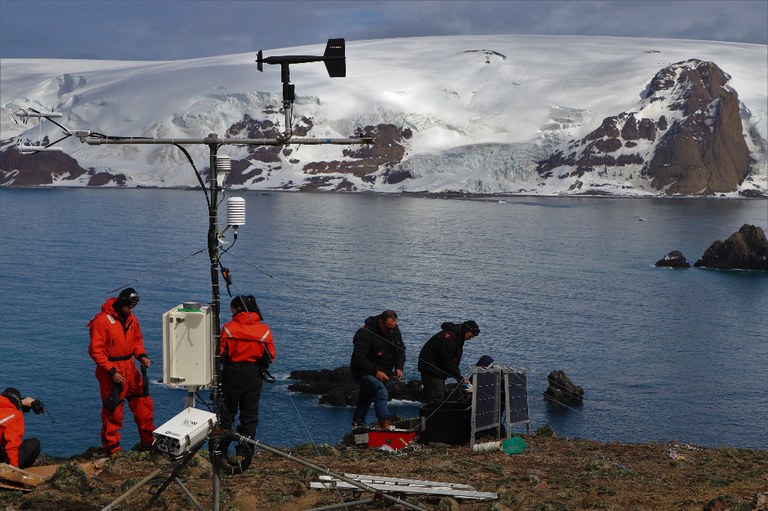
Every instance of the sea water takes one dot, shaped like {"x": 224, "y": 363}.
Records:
{"x": 554, "y": 283}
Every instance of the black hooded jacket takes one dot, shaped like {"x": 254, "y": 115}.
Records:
{"x": 376, "y": 350}
{"x": 441, "y": 355}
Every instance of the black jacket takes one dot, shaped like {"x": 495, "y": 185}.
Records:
{"x": 441, "y": 355}
{"x": 376, "y": 350}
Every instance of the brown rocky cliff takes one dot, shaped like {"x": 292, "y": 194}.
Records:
{"x": 705, "y": 152}
{"x": 693, "y": 145}
{"x": 37, "y": 169}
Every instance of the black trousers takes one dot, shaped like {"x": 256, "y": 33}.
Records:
{"x": 241, "y": 386}
{"x": 434, "y": 389}
{"x": 29, "y": 450}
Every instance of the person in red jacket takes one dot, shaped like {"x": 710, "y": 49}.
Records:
{"x": 19, "y": 453}
{"x": 246, "y": 351}
{"x": 115, "y": 340}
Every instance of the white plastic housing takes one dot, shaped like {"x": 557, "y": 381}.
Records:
{"x": 184, "y": 431}
{"x": 188, "y": 346}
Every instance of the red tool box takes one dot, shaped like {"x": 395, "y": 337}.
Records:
{"x": 396, "y": 439}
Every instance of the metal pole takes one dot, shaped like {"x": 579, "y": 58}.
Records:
{"x": 326, "y": 471}
{"x": 131, "y": 490}
{"x": 213, "y": 253}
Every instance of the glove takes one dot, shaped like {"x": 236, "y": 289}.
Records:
{"x": 113, "y": 401}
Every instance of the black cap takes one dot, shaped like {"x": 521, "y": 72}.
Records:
{"x": 14, "y": 396}
{"x": 127, "y": 296}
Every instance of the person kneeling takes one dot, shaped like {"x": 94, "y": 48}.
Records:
{"x": 13, "y": 450}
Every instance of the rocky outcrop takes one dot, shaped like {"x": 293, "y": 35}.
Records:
{"x": 336, "y": 387}
{"x": 562, "y": 390}
{"x": 38, "y": 169}
{"x": 674, "y": 259}
{"x": 746, "y": 249}
{"x": 705, "y": 151}
{"x": 368, "y": 163}
{"x": 686, "y": 137}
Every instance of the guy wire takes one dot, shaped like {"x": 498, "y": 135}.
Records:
{"x": 156, "y": 270}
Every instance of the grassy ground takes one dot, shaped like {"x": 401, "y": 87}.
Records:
{"x": 552, "y": 474}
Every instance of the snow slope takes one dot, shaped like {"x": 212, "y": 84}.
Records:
{"x": 482, "y": 109}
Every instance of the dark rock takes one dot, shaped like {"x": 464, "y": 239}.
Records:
{"x": 336, "y": 387}
{"x": 37, "y": 169}
{"x": 746, "y": 249}
{"x": 674, "y": 259}
{"x": 561, "y": 389}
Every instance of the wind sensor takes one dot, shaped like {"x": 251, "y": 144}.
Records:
{"x": 30, "y": 147}
{"x": 333, "y": 58}
{"x": 335, "y": 63}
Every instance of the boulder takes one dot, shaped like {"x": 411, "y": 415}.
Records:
{"x": 746, "y": 249}
{"x": 562, "y": 390}
{"x": 674, "y": 259}
{"x": 337, "y": 387}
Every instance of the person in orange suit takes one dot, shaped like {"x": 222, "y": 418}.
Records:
{"x": 116, "y": 340}
{"x": 246, "y": 351}
{"x": 13, "y": 450}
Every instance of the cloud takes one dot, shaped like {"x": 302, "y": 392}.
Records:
{"x": 170, "y": 29}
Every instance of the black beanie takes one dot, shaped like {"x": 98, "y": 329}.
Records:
{"x": 14, "y": 396}
{"x": 245, "y": 303}
{"x": 127, "y": 296}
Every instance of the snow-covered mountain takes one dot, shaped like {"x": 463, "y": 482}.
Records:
{"x": 473, "y": 114}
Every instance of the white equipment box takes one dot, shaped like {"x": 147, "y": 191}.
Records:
{"x": 184, "y": 431}
{"x": 187, "y": 346}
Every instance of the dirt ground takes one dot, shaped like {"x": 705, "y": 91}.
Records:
{"x": 552, "y": 474}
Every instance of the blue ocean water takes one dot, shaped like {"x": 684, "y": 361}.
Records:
{"x": 554, "y": 283}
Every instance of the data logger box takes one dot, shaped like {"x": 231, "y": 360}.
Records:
{"x": 188, "y": 346}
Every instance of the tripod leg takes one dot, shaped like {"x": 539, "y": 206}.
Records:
{"x": 189, "y": 495}
{"x": 131, "y": 490}
{"x": 174, "y": 475}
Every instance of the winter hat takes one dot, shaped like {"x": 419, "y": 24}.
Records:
{"x": 485, "y": 362}
{"x": 127, "y": 296}
{"x": 471, "y": 326}
{"x": 245, "y": 303}
{"x": 14, "y": 396}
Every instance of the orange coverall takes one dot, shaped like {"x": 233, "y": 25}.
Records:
{"x": 114, "y": 342}
{"x": 11, "y": 429}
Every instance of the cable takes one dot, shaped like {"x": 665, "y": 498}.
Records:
{"x": 157, "y": 270}
{"x": 197, "y": 174}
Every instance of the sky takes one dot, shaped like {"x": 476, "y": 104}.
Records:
{"x": 184, "y": 29}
